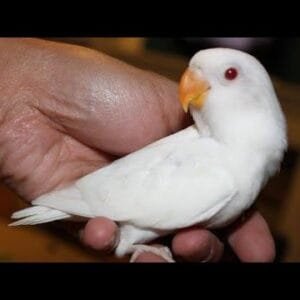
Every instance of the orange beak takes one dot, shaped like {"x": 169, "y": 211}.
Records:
{"x": 193, "y": 89}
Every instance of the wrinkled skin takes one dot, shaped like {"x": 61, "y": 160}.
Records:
{"x": 66, "y": 111}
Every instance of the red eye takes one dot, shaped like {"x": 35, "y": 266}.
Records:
{"x": 231, "y": 73}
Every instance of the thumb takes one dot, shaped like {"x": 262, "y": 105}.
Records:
{"x": 108, "y": 104}
{"x": 64, "y": 108}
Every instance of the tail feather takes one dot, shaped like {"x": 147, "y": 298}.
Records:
{"x": 56, "y": 205}
{"x": 30, "y": 211}
{"x": 37, "y": 215}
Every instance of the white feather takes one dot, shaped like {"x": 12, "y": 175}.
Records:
{"x": 37, "y": 215}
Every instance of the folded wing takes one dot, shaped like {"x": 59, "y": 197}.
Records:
{"x": 173, "y": 183}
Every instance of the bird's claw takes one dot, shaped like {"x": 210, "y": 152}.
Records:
{"x": 163, "y": 252}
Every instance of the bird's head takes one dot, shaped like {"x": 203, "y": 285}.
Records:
{"x": 227, "y": 74}
{"x": 232, "y": 94}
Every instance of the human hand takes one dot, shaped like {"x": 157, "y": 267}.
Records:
{"x": 66, "y": 111}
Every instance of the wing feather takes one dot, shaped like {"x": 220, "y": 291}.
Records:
{"x": 176, "y": 182}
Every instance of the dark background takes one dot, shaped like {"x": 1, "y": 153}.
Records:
{"x": 281, "y": 56}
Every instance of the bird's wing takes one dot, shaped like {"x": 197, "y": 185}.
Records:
{"x": 175, "y": 182}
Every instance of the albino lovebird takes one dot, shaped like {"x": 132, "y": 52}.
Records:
{"x": 207, "y": 174}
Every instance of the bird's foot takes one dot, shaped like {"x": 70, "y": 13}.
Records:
{"x": 163, "y": 252}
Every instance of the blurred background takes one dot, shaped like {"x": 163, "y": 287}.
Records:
{"x": 278, "y": 202}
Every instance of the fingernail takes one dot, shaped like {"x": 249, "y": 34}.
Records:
{"x": 115, "y": 239}
{"x": 111, "y": 244}
{"x": 209, "y": 256}
{"x": 215, "y": 252}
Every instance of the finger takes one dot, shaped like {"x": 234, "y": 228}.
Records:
{"x": 103, "y": 102}
{"x": 197, "y": 245}
{"x": 252, "y": 240}
{"x": 100, "y": 234}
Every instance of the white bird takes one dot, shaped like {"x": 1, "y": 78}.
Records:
{"x": 206, "y": 174}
